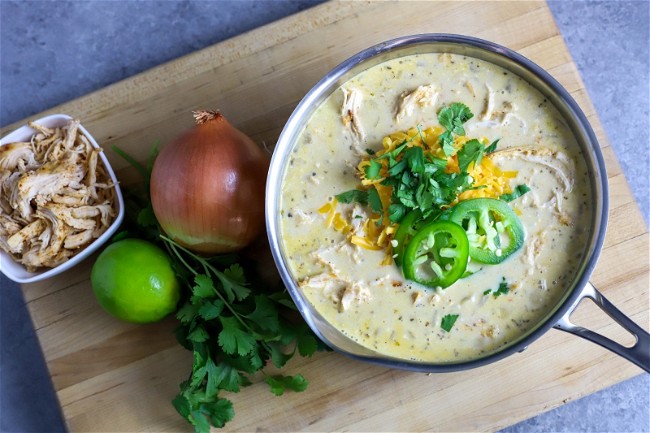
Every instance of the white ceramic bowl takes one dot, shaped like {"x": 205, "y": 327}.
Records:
{"x": 17, "y": 272}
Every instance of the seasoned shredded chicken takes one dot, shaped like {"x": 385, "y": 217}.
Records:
{"x": 352, "y": 99}
{"x": 340, "y": 291}
{"x": 56, "y": 197}
{"x": 423, "y": 96}
{"x": 355, "y": 293}
{"x": 533, "y": 248}
{"x": 489, "y": 104}
{"x": 301, "y": 216}
{"x": 559, "y": 164}
{"x": 492, "y": 117}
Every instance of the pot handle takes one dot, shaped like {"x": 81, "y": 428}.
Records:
{"x": 639, "y": 353}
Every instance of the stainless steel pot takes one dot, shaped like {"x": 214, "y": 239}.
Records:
{"x": 579, "y": 288}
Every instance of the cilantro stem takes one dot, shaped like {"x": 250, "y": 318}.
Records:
{"x": 146, "y": 174}
{"x": 180, "y": 257}
{"x": 421, "y": 135}
{"x": 208, "y": 268}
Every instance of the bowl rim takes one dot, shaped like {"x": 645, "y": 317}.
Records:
{"x": 594, "y": 161}
{"x": 16, "y": 271}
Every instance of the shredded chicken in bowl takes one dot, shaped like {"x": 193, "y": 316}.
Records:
{"x": 56, "y": 196}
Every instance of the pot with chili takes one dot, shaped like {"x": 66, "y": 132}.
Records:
{"x": 438, "y": 202}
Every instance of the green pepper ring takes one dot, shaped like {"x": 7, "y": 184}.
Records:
{"x": 504, "y": 212}
{"x": 408, "y": 227}
{"x": 458, "y": 264}
{"x": 404, "y": 234}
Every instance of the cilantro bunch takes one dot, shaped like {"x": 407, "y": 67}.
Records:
{"x": 232, "y": 333}
{"x": 234, "y": 325}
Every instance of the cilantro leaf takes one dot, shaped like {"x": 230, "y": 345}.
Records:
{"x": 187, "y": 313}
{"x": 279, "y": 383}
{"x": 200, "y": 419}
{"x": 203, "y": 288}
{"x": 399, "y": 149}
{"x": 220, "y": 411}
{"x": 518, "y": 192}
{"x": 472, "y": 151}
{"x": 213, "y": 376}
{"x": 278, "y": 356}
{"x": 396, "y": 212}
{"x": 211, "y": 310}
{"x": 454, "y": 116}
{"x": 198, "y": 335}
{"x": 182, "y": 405}
{"x": 397, "y": 168}
{"x": 265, "y": 314}
{"x": 307, "y": 345}
{"x": 447, "y": 143}
{"x": 146, "y": 217}
{"x": 353, "y": 196}
{"x": 503, "y": 289}
{"x": 374, "y": 201}
{"x": 198, "y": 370}
{"x": 255, "y": 361}
{"x": 364, "y": 198}
{"x": 448, "y": 322}
{"x": 233, "y": 339}
{"x": 492, "y": 147}
{"x": 414, "y": 157}
{"x": 222, "y": 376}
{"x": 232, "y": 281}
{"x": 235, "y": 273}
{"x": 372, "y": 171}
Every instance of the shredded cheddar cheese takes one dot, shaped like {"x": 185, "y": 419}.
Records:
{"x": 493, "y": 181}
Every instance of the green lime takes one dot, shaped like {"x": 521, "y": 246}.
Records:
{"x": 134, "y": 281}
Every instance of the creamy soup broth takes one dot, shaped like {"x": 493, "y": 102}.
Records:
{"x": 372, "y": 303}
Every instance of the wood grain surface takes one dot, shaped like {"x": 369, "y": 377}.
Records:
{"x": 113, "y": 376}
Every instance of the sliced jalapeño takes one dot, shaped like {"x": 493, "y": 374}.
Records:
{"x": 437, "y": 254}
{"x": 493, "y": 229}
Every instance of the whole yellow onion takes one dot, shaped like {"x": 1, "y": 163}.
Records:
{"x": 207, "y": 186}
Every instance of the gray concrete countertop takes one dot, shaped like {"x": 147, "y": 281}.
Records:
{"x": 54, "y": 54}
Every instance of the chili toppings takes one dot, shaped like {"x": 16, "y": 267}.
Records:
{"x": 436, "y": 201}
{"x": 493, "y": 229}
{"x": 437, "y": 255}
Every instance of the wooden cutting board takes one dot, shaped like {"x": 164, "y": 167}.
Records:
{"x": 112, "y": 376}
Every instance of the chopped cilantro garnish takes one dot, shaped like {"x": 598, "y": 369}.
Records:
{"x": 417, "y": 177}
{"x": 364, "y": 198}
{"x": 454, "y": 116}
{"x": 492, "y": 147}
{"x": 503, "y": 289}
{"x": 396, "y": 212}
{"x": 372, "y": 171}
{"x": 448, "y": 322}
{"x": 353, "y": 196}
{"x": 516, "y": 193}
{"x": 374, "y": 201}
{"x": 472, "y": 151}
{"x": 447, "y": 143}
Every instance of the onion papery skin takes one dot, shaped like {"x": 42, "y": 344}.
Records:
{"x": 207, "y": 188}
